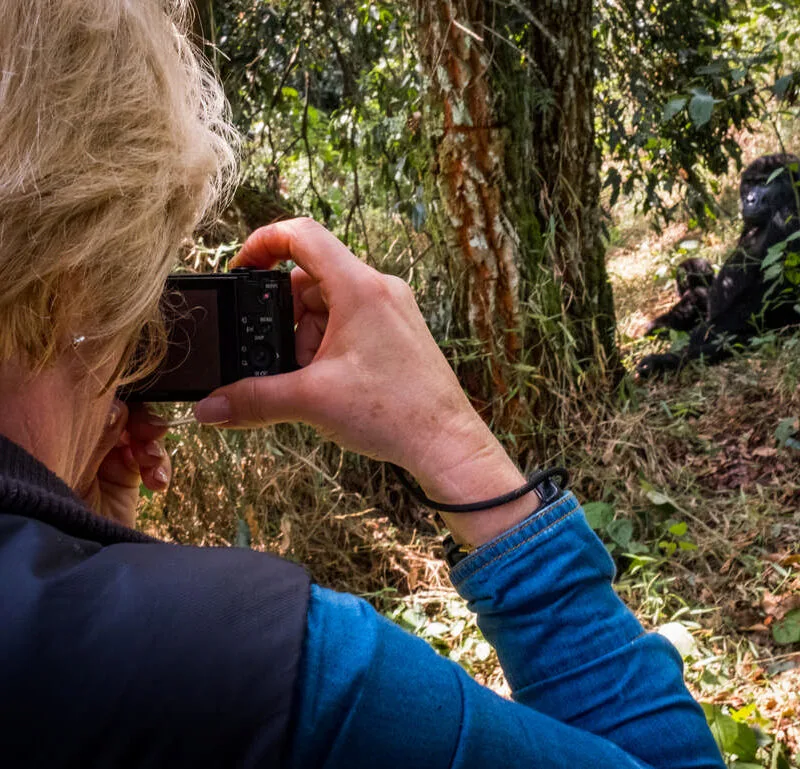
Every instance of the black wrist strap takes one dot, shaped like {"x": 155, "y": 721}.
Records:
{"x": 541, "y": 482}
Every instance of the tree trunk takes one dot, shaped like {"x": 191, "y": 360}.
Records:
{"x": 518, "y": 179}
{"x": 205, "y": 29}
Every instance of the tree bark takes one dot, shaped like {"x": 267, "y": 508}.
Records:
{"x": 205, "y": 29}
{"x": 518, "y": 179}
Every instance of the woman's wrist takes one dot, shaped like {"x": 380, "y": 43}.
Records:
{"x": 472, "y": 471}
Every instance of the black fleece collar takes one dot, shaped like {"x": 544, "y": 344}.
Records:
{"x": 29, "y": 489}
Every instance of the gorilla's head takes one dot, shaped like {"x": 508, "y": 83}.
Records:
{"x": 769, "y": 187}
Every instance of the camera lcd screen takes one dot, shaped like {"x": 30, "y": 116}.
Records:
{"x": 193, "y": 360}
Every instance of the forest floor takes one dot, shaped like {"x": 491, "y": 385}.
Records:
{"x": 695, "y": 485}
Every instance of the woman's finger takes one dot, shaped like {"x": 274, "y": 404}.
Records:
{"x": 143, "y": 426}
{"x": 116, "y": 468}
{"x": 149, "y": 455}
{"x": 157, "y": 478}
{"x": 259, "y": 401}
{"x": 152, "y": 462}
{"x": 307, "y": 294}
{"x": 306, "y": 243}
{"x": 308, "y": 336}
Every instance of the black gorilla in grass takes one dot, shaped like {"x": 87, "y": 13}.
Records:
{"x": 693, "y": 278}
{"x": 743, "y": 297}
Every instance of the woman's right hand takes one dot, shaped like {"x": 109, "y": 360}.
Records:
{"x": 372, "y": 379}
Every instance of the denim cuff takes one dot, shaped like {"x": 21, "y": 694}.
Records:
{"x": 543, "y": 522}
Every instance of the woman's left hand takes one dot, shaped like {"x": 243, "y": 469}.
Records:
{"x": 130, "y": 452}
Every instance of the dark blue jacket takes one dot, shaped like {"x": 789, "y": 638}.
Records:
{"x": 121, "y": 651}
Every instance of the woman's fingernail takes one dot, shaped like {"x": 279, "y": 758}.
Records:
{"x": 213, "y": 411}
{"x": 114, "y": 414}
{"x": 154, "y": 449}
{"x": 161, "y": 475}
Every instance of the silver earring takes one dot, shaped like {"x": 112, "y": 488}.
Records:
{"x": 77, "y": 341}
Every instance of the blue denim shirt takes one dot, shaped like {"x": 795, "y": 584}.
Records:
{"x": 590, "y": 687}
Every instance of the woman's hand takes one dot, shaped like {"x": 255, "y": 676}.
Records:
{"x": 373, "y": 378}
{"x": 130, "y": 452}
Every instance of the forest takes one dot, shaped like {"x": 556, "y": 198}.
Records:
{"x": 540, "y": 174}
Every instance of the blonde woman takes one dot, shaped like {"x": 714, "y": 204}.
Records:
{"x": 121, "y": 651}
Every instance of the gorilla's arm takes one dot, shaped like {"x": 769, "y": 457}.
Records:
{"x": 734, "y": 299}
{"x": 686, "y": 314}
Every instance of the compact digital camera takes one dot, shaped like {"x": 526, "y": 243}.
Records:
{"x": 222, "y": 328}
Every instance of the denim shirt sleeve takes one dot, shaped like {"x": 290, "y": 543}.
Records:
{"x": 591, "y": 688}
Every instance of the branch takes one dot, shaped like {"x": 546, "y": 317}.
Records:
{"x": 326, "y": 207}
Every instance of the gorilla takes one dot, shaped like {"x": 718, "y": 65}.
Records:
{"x": 740, "y": 300}
{"x": 693, "y": 278}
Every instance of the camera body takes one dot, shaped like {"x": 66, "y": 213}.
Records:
{"x": 222, "y": 327}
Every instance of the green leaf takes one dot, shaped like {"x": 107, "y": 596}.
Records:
{"x": 700, "y": 107}
{"x": 774, "y": 272}
{"x": 787, "y": 631}
{"x": 668, "y": 547}
{"x": 773, "y": 256}
{"x": 659, "y": 499}
{"x": 621, "y": 532}
{"x": 786, "y": 429}
{"x": 742, "y": 715}
{"x": 782, "y": 85}
{"x": 775, "y": 174}
{"x": 672, "y": 108}
{"x": 679, "y": 529}
{"x": 738, "y": 739}
{"x": 598, "y": 514}
{"x": 145, "y": 492}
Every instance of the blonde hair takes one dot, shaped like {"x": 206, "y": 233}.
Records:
{"x": 114, "y": 143}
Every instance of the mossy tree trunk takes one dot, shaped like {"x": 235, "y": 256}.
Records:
{"x": 518, "y": 182}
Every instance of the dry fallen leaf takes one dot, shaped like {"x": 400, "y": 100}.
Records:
{"x": 776, "y": 607}
{"x": 765, "y": 451}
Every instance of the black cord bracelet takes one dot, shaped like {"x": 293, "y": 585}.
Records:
{"x": 535, "y": 480}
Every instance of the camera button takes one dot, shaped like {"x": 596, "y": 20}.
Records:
{"x": 264, "y": 324}
{"x": 262, "y": 357}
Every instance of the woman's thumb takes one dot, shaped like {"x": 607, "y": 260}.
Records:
{"x": 255, "y": 402}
